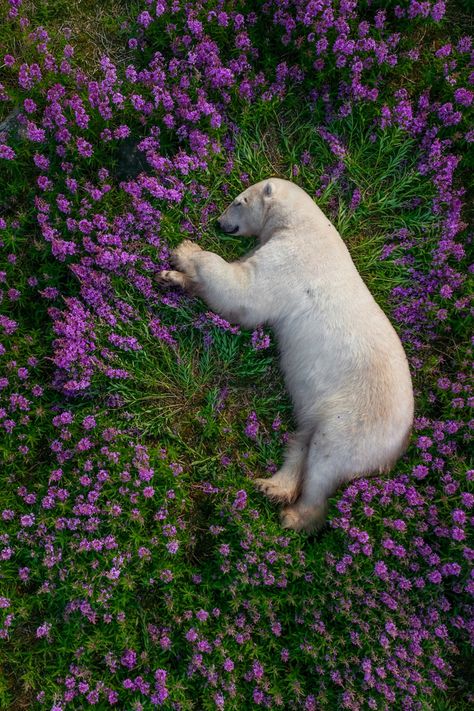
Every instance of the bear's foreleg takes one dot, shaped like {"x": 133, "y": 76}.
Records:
{"x": 229, "y": 288}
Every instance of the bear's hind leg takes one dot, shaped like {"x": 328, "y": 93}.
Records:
{"x": 322, "y": 475}
{"x": 284, "y": 485}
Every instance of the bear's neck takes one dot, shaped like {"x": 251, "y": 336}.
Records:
{"x": 274, "y": 223}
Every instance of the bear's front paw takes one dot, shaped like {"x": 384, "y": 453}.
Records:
{"x": 181, "y": 257}
{"x": 174, "y": 278}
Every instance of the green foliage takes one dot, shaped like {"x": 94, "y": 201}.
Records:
{"x": 189, "y": 401}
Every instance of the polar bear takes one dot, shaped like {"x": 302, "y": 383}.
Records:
{"x": 343, "y": 363}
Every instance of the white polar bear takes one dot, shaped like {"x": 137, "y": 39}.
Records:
{"x": 343, "y": 363}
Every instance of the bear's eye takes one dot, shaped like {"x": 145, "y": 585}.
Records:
{"x": 245, "y": 199}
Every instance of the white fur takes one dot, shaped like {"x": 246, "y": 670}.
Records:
{"x": 343, "y": 362}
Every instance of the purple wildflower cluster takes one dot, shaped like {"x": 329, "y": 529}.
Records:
{"x": 214, "y": 599}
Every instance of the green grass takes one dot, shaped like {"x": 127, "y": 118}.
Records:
{"x": 171, "y": 395}
{"x": 170, "y": 401}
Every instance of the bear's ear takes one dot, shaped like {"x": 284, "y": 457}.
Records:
{"x": 269, "y": 189}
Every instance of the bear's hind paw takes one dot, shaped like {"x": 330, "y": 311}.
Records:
{"x": 279, "y": 491}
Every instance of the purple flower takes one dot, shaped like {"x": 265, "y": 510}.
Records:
{"x": 458, "y": 534}
{"x": 464, "y": 96}
{"x": 420, "y": 471}
{"x": 435, "y": 577}
{"x": 467, "y": 499}
{"x": 6, "y": 152}
{"x": 35, "y": 134}
{"x": 356, "y": 199}
{"x": 27, "y": 520}
{"x": 381, "y": 570}
{"x": 260, "y": 340}
{"x": 29, "y": 106}
{"x": 145, "y": 19}
{"x": 252, "y": 426}
{"x": 84, "y": 148}
{"x": 240, "y": 501}
{"x": 129, "y": 658}
{"x": 43, "y": 630}
{"x": 257, "y": 670}
{"x": 126, "y": 343}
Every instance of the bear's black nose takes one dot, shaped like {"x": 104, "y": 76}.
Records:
{"x": 219, "y": 226}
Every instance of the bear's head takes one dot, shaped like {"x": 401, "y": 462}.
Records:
{"x": 247, "y": 214}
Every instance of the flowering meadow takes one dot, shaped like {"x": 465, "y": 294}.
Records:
{"x": 139, "y": 567}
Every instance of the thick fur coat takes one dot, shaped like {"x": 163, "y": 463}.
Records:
{"x": 344, "y": 365}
